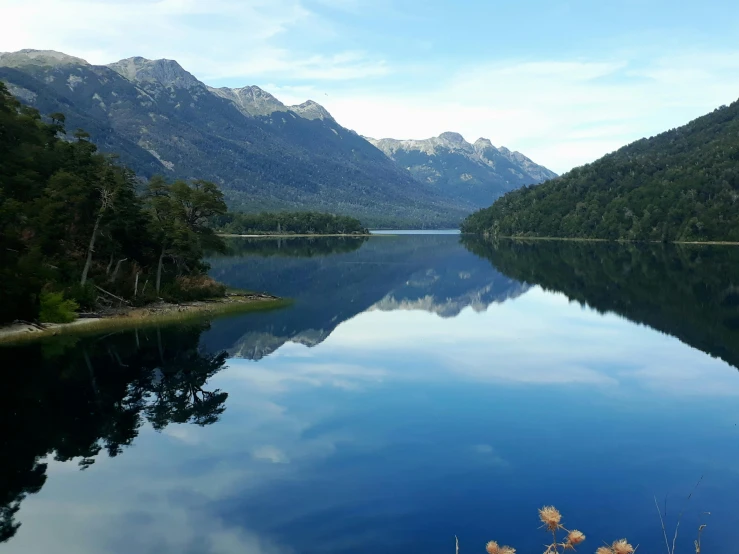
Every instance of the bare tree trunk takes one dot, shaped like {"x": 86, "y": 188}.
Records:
{"x": 136, "y": 285}
{"x": 110, "y": 264}
{"x": 106, "y": 197}
{"x": 159, "y": 271}
{"x": 91, "y": 249}
{"x": 115, "y": 271}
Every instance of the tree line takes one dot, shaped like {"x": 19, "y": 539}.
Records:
{"x": 288, "y": 223}
{"x": 77, "y": 229}
{"x": 682, "y": 185}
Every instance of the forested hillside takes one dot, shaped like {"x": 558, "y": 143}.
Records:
{"x": 682, "y": 185}
{"x": 72, "y": 223}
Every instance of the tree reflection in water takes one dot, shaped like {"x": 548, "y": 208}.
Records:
{"x": 72, "y": 398}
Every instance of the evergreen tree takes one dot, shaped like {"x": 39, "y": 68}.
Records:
{"x": 71, "y": 219}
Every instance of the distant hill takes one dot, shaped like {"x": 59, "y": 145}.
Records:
{"x": 264, "y": 155}
{"x": 681, "y": 185}
{"x": 472, "y": 173}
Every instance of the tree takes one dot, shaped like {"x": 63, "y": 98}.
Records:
{"x": 180, "y": 214}
{"x": 70, "y": 215}
{"x": 107, "y": 193}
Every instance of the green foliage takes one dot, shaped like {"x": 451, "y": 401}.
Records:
{"x": 84, "y": 295}
{"x": 71, "y": 219}
{"x": 55, "y": 309}
{"x": 682, "y": 185}
{"x": 288, "y": 223}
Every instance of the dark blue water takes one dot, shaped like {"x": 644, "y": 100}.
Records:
{"x": 417, "y": 389}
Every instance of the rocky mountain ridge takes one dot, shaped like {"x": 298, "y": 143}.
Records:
{"x": 159, "y": 118}
{"x": 480, "y": 171}
{"x": 265, "y": 155}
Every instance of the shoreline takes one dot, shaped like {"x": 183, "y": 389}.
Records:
{"x": 620, "y": 241}
{"x": 120, "y": 319}
{"x": 275, "y": 236}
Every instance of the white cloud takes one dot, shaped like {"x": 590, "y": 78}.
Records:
{"x": 560, "y": 111}
{"x": 270, "y": 453}
{"x": 214, "y": 40}
{"x": 573, "y": 346}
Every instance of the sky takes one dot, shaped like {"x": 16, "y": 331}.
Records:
{"x": 563, "y": 82}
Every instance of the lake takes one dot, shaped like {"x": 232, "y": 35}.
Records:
{"x": 419, "y": 387}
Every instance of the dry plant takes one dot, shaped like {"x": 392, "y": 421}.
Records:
{"x": 662, "y": 518}
{"x": 551, "y": 519}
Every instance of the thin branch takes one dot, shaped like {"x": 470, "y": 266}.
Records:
{"x": 662, "y": 521}
{"x": 680, "y": 517}
{"x": 111, "y": 294}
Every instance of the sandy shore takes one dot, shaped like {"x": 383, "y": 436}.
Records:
{"x": 159, "y": 313}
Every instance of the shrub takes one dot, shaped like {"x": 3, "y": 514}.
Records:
{"x": 55, "y": 309}
{"x": 193, "y": 287}
{"x": 84, "y": 295}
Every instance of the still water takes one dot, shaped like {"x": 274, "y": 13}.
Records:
{"x": 418, "y": 388}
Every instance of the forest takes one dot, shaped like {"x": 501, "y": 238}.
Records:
{"x": 288, "y": 223}
{"x": 679, "y": 186}
{"x": 77, "y": 229}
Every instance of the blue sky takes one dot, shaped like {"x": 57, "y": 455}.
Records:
{"x": 562, "y": 82}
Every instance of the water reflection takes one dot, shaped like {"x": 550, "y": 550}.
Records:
{"x": 71, "y": 399}
{"x": 430, "y": 273}
{"x": 690, "y": 291}
{"x": 412, "y": 392}
{"x": 298, "y": 247}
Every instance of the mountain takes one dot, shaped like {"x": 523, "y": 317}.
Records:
{"x": 681, "y": 185}
{"x": 476, "y": 174}
{"x": 264, "y": 155}
{"x": 253, "y": 101}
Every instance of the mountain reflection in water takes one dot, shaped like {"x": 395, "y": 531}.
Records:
{"x": 350, "y": 276}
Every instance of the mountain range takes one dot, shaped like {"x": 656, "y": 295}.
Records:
{"x": 160, "y": 119}
{"x": 454, "y": 168}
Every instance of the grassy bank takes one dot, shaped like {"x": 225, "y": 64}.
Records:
{"x": 152, "y": 315}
